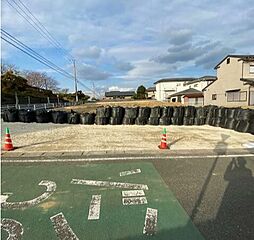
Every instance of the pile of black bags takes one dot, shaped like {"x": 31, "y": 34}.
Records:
{"x": 238, "y": 119}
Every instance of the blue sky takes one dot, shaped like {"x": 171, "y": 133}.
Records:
{"x": 121, "y": 44}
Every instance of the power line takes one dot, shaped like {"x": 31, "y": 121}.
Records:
{"x": 12, "y": 38}
{"x": 36, "y": 24}
{"x": 34, "y": 57}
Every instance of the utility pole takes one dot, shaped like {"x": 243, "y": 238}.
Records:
{"x": 75, "y": 79}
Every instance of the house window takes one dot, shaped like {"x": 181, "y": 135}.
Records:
{"x": 178, "y": 84}
{"x": 237, "y": 96}
{"x": 214, "y": 96}
{"x": 251, "y": 68}
{"x": 195, "y": 85}
{"x": 228, "y": 60}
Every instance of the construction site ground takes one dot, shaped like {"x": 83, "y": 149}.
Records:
{"x": 37, "y": 139}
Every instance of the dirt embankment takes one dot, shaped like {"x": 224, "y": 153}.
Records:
{"x": 91, "y": 107}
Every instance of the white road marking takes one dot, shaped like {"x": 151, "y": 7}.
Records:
{"x": 50, "y": 189}
{"x": 109, "y": 184}
{"x": 122, "y": 158}
{"x": 133, "y": 193}
{"x": 150, "y": 221}
{"x": 134, "y": 201}
{"x": 131, "y": 172}
{"x": 94, "y": 209}
{"x": 13, "y": 227}
{"x": 62, "y": 228}
{"x": 3, "y": 198}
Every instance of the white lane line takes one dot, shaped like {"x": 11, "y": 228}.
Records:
{"x": 121, "y": 158}
{"x": 94, "y": 209}
{"x": 3, "y": 198}
{"x": 13, "y": 228}
{"x": 131, "y": 172}
{"x": 150, "y": 221}
{"x": 50, "y": 189}
{"x": 62, "y": 228}
{"x": 109, "y": 184}
{"x": 134, "y": 201}
{"x": 133, "y": 193}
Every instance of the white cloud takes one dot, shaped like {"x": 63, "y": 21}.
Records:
{"x": 117, "y": 88}
{"x": 88, "y": 72}
{"x": 87, "y": 52}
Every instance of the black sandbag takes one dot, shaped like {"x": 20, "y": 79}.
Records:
{"x": 42, "y": 116}
{"x": 188, "y": 121}
{"x": 221, "y": 112}
{"x": 245, "y": 114}
{"x": 230, "y": 123}
{"x": 217, "y": 121}
{"x": 199, "y": 121}
{"x": 230, "y": 113}
{"x": 223, "y": 122}
{"x": 177, "y": 121}
{"x": 141, "y": 121}
{"x": 153, "y": 121}
{"x": 128, "y": 121}
{"x": 117, "y": 112}
{"x": 167, "y": 112}
{"x": 144, "y": 112}
{"x": 73, "y": 117}
{"x": 87, "y": 118}
{"x": 10, "y": 115}
{"x": 200, "y": 112}
{"x": 251, "y": 127}
{"x": 115, "y": 121}
{"x": 242, "y": 126}
{"x": 59, "y": 117}
{"x": 178, "y": 112}
{"x": 131, "y": 113}
{"x": 155, "y": 112}
{"x": 189, "y": 111}
{"x": 26, "y": 116}
{"x": 101, "y": 120}
{"x": 103, "y": 112}
{"x": 165, "y": 121}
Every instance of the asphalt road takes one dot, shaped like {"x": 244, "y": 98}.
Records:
{"x": 217, "y": 193}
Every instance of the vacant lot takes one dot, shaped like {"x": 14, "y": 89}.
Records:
{"x": 36, "y": 137}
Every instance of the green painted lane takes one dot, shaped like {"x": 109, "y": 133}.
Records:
{"x": 116, "y": 220}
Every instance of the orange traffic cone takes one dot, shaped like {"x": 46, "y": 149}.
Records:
{"x": 163, "y": 144}
{"x": 8, "y": 143}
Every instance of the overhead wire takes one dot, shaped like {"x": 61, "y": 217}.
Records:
{"x": 39, "y": 27}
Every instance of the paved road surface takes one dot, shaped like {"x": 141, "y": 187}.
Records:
{"x": 217, "y": 193}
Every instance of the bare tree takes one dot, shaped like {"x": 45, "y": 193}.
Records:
{"x": 41, "y": 80}
{"x": 5, "y": 67}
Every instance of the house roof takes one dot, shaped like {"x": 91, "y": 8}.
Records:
{"x": 241, "y": 57}
{"x": 151, "y": 89}
{"x": 180, "y": 79}
{"x": 204, "y": 78}
{"x": 119, "y": 93}
{"x": 189, "y": 91}
{"x": 248, "y": 80}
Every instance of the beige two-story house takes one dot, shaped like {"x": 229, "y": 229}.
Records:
{"x": 235, "y": 82}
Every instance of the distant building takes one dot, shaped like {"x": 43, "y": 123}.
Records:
{"x": 235, "y": 82}
{"x": 119, "y": 95}
{"x": 151, "y": 92}
{"x": 190, "y": 96}
{"x": 167, "y": 87}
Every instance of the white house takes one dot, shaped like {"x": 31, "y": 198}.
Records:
{"x": 170, "y": 86}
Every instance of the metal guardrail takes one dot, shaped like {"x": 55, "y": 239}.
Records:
{"x": 38, "y": 106}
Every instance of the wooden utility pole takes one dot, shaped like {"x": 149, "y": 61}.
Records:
{"x": 75, "y": 79}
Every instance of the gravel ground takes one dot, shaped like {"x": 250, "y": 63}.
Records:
{"x": 50, "y": 137}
